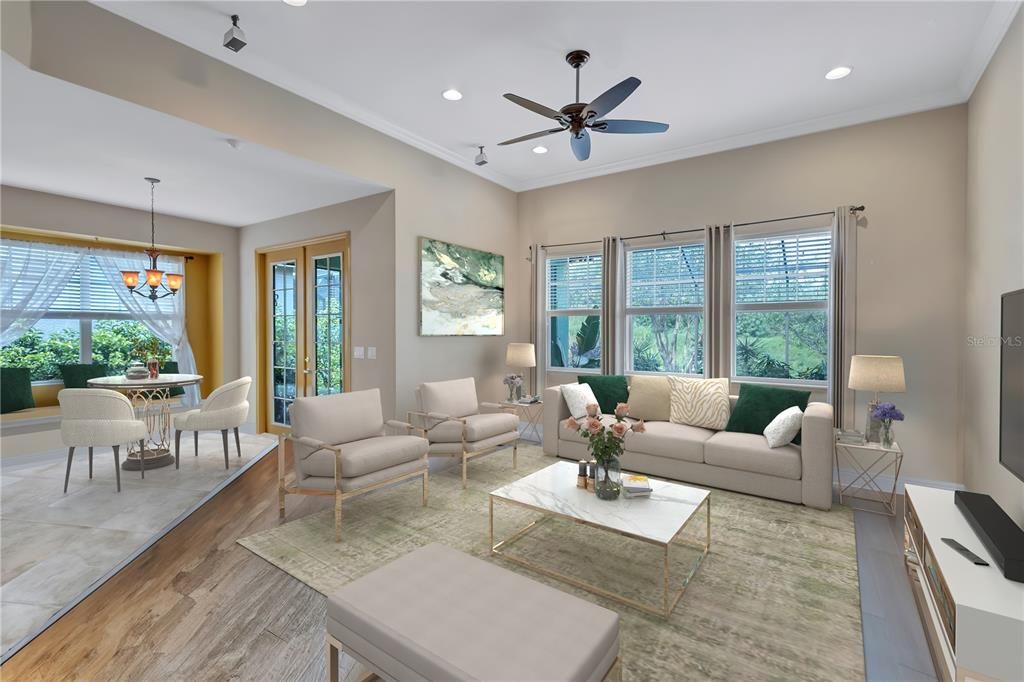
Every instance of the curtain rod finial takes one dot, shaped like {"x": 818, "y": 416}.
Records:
{"x": 856, "y": 209}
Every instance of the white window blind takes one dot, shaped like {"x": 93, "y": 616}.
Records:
{"x": 574, "y": 282}
{"x": 668, "y": 276}
{"x": 776, "y": 269}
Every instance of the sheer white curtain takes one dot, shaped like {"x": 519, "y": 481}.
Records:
{"x": 32, "y": 275}
{"x": 164, "y": 317}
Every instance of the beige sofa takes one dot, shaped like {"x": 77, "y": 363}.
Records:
{"x": 720, "y": 459}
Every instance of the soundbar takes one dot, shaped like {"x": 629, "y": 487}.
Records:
{"x": 1003, "y": 538}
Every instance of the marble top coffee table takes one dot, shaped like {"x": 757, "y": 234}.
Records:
{"x": 658, "y": 520}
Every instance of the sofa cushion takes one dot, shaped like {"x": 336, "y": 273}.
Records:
{"x": 577, "y": 397}
{"x": 649, "y": 398}
{"x": 700, "y": 402}
{"x": 758, "y": 405}
{"x": 750, "y": 452}
{"x": 609, "y": 389}
{"x": 454, "y": 398}
{"x": 78, "y": 375}
{"x": 783, "y": 429}
{"x": 171, "y": 367}
{"x": 362, "y": 457}
{"x": 665, "y": 439}
{"x": 478, "y": 427}
{"x": 16, "y": 392}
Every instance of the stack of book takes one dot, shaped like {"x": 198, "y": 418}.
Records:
{"x": 636, "y": 485}
{"x": 850, "y": 438}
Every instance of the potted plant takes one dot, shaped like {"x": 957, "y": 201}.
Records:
{"x": 515, "y": 386}
{"x": 605, "y": 445}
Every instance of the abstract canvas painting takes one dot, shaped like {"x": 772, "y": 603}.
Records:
{"x": 462, "y": 290}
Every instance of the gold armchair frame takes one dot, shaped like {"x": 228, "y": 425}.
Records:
{"x": 287, "y": 482}
{"x": 485, "y": 408}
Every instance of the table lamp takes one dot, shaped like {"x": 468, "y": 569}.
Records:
{"x": 878, "y": 373}
{"x": 521, "y": 356}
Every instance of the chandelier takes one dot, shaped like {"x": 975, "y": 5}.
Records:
{"x": 154, "y": 276}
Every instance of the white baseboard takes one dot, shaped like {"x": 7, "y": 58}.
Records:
{"x": 884, "y": 481}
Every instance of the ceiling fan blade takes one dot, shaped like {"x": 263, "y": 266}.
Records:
{"x": 611, "y": 98}
{"x": 531, "y": 136}
{"x": 546, "y": 112}
{"x": 581, "y": 145}
{"x": 628, "y": 127}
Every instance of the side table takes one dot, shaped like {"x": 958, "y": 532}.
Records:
{"x": 880, "y": 461}
{"x": 531, "y": 412}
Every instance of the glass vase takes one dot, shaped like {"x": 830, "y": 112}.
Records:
{"x": 608, "y": 481}
{"x": 511, "y": 393}
{"x": 153, "y": 365}
{"x": 885, "y": 435}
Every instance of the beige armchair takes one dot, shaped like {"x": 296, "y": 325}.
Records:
{"x": 457, "y": 425}
{"x": 98, "y": 417}
{"x": 340, "y": 447}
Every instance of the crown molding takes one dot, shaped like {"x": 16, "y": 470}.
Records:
{"x": 815, "y": 125}
{"x": 1000, "y": 16}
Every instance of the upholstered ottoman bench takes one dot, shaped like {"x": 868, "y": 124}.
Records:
{"x": 438, "y": 614}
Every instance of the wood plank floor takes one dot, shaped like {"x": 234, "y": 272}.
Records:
{"x": 198, "y": 606}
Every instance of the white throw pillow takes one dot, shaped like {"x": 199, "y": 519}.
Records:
{"x": 577, "y": 397}
{"x": 784, "y": 427}
{"x": 699, "y": 402}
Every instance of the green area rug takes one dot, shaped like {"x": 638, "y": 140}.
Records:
{"x": 776, "y": 599}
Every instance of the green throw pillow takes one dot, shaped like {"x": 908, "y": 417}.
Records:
{"x": 77, "y": 376}
{"x": 15, "y": 389}
{"x": 609, "y": 389}
{"x": 758, "y": 405}
{"x": 171, "y": 367}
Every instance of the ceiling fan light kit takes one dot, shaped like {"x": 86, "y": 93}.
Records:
{"x": 579, "y": 118}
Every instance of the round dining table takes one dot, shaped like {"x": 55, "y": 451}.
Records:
{"x": 151, "y": 399}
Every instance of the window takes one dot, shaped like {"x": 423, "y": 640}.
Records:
{"x": 781, "y": 307}
{"x": 573, "y": 312}
{"x": 87, "y": 323}
{"x": 665, "y": 309}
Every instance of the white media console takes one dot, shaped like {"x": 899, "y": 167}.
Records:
{"x": 973, "y": 616}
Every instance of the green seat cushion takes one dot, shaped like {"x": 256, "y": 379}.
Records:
{"x": 77, "y": 376}
{"x": 15, "y": 389}
{"x": 609, "y": 389}
{"x": 171, "y": 367}
{"x": 758, "y": 405}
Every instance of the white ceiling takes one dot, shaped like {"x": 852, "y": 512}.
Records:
{"x": 722, "y": 74}
{"x": 68, "y": 140}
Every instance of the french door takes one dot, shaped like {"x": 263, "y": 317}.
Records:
{"x": 304, "y": 326}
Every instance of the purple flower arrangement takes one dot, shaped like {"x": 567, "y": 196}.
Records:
{"x": 887, "y": 413}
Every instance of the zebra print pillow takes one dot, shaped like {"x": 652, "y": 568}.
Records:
{"x": 699, "y": 402}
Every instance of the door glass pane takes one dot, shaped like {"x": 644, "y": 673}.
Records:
{"x": 284, "y": 351}
{"x": 327, "y": 323}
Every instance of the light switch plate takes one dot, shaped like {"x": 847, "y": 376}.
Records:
{"x": 357, "y": 352}
{"x": 371, "y": 352}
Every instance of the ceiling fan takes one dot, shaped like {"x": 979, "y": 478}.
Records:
{"x": 579, "y": 117}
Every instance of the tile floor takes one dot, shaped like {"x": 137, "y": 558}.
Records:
{"x": 55, "y": 546}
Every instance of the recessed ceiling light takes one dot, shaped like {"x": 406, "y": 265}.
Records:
{"x": 452, "y": 95}
{"x": 838, "y": 72}
{"x": 295, "y": 3}
{"x": 540, "y": 149}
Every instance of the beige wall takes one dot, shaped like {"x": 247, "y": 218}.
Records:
{"x": 908, "y": 171}
{"x": 86, "y": 45}
{"x": 39, "y": 210}
{"x": 995, "y": 258}
{"x": 370, "y": 222}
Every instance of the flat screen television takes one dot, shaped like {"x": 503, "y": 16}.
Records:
{"x": 1011, "y": 384}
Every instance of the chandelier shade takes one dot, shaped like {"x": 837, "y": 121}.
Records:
{"x": 154, "y": 275}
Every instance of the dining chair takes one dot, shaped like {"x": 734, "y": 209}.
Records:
{"x": 98, "y": 417}
{"x": 226, "y": 409}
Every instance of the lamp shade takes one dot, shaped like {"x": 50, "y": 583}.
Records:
{"x": 879, "y": 373}
{"x": 520, "y": 355}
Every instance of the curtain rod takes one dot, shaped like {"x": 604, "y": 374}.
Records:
{"x": 663, "y": 234}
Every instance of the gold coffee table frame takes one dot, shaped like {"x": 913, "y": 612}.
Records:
{"x": 669, "y": 600}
